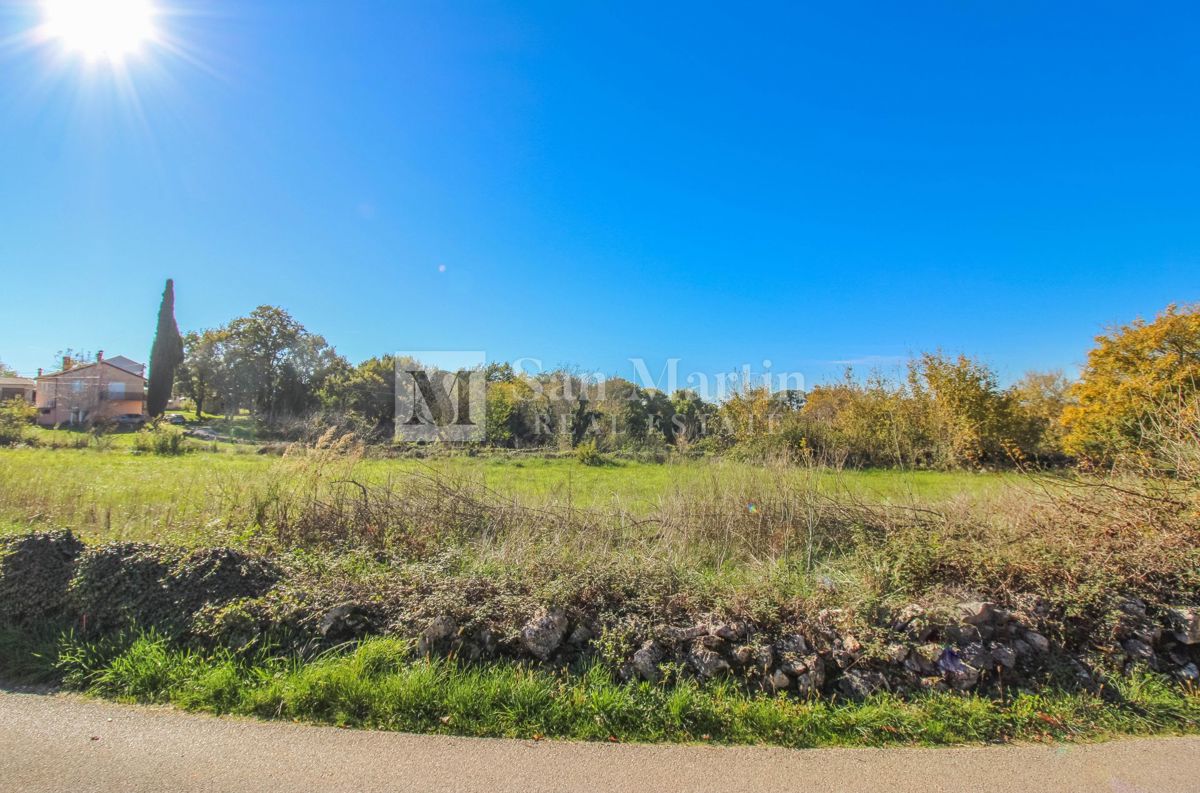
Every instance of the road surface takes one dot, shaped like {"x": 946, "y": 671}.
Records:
{"x": 63, "y": 743}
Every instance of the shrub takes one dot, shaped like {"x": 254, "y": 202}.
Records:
{"x": 588, "y": 453}
{"x": 99, "y": 437}
{"x": 15, "y": 416}
{"x": 947, "y": 413}
{"x": 1039, "y": 399}
{"x": 967, "y": 417}
{"x": 159, "y": 439}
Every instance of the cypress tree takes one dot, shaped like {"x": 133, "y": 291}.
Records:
{"x": 165, "y": 355}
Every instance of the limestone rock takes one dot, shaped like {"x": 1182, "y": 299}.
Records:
{"x": 906, "y": 616}
{"x": 861, "y": 683}
{"x": 1186, "y": 621}
{"x": 707, "y": 663}
{"x": 795, "y": 664}
{"x": 487, "y": 640}
{"x": 791, "y": 643}
{"x": 957, "y": 672}
{"x": 913, "y": 620}
{"x": 929, "y": 653}
{"x": 918, "y": 664}
{"x": 580, "y": 636}
{"x": 1004, "y": 655}
{"x": 975, "y": 612}
{"x": 1136, "y": 648}
{"x": 1037, "y": 641}
{"x": 346, "y": 622}
{"x": 1134, "y": 607}
{"x": 729, "y": 631}
{"x": 978, "y": 656}
{"x": 436, "y": 635}
{"x": 779, "y": 680}
{"x": 645, "y": 661}
{"x": 685, "y": 633}
{"x": 851, "y": 645}
{"x": 543, "y": 634}
{"x": 812, "y": 678}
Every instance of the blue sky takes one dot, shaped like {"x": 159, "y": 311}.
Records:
{"x": 587, "y": 182}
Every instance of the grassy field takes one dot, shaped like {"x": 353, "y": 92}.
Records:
{"x": 490, "y": 539}
{"x": 114, "y": 493}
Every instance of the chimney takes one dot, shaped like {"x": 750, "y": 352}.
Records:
{"x": 99, "y": 356}
{"x": 66, "y": 362}
{"x": 39, "y": 372}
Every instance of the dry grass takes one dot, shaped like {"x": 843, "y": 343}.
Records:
{"x": 803, "y": 531}
{"x": 1079, "y": 542}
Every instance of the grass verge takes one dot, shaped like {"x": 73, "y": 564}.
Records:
{"x": 378, "y": 685}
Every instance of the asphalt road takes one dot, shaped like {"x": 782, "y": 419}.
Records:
{"x": 60, "y": 743}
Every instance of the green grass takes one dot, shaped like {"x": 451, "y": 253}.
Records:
{"x": 378, "y": 685}
{"x": 234, "y": 431}
{"x": 115, "y": 493}
{"x": 642, "y": 484}
{"x": 67, "y": 438}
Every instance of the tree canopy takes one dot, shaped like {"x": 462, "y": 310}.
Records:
{"x": 1135, "y": 374}
{"x": 265, "y": 362}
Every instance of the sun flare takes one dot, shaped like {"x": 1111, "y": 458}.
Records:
{"x": 111, "y": 29}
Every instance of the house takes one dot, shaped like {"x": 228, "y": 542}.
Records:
{"x": 91, "y": 392}
{"x": 17, "y": 388}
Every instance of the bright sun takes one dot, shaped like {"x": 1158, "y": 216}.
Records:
{"x": 109, "y": 29}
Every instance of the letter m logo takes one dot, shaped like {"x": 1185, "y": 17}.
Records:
{"x": 442, "y": 400}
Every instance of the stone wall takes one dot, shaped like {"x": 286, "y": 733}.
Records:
{"x": 231, "y": 598}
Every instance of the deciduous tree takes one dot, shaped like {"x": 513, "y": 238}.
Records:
{"x": 1136, "y": 374}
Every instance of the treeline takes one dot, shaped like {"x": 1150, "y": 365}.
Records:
{"x": 944, "y": 412}
{"x": 266, "y": 363}
{"x": 941, "y": 412}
